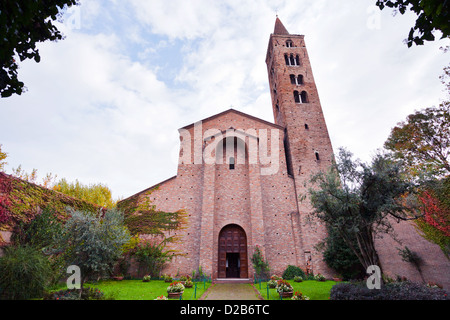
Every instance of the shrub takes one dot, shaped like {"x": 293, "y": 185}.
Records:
{"x": 298, "y": 279}
{"x": 391, "y": 291}
{"x": 146, "y": 278}
{"x": 25, "y": 272}
{"x": 73, "y": 294}
{"x": 292, "y": 271}
{"x": 260, "y": 265}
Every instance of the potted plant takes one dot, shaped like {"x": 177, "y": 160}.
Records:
{"x": 319, "y": 277}
{"x": 188, "y": 283}
{"x": 118, "y": 277}
{"x": 273, "y": 281}
{"x": 337, "y": 278}
{"x": 299, "y": 296}
{"x": 167, "y": 278}
{"x": 175, "y": 290}
{"x": 284, "y": 289}
{"x": 298, "y": 279}
{"x": 146, "y": 278}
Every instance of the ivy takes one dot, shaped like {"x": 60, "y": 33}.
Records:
{"x": 20, "y": 201}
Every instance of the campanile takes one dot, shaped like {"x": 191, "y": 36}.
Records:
{"x": 296, "y": 107}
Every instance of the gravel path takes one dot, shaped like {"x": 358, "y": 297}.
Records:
{"x": 230, "y": 291}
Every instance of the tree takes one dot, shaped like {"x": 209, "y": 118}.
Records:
{"x": 356, "y": 199}
{"x": 98, "y": 193}
{"x": 423, "y": 141}
{"x": 94, "y": 243}
{"x": 431, "y": 15}
{"x": 3, "y": 156}
{"x": 22, "y": 25}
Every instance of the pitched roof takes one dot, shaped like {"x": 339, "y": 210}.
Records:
{"x": 279, "y": 28}
{"x": 238, "y": 113}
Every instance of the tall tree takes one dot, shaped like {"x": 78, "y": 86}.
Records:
{"x": 423, "y": 141}
{"x": 97, "y": 193}
{"x": 357, "y": 199}
{"x": 431, "y": 15}
{"x": 22, "y": 25}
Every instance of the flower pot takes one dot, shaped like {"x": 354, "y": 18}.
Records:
{"x": 173, "y": 295}
{"x": 287, "y": 294}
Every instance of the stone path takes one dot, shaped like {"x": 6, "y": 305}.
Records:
{"x": 230, "y": 291}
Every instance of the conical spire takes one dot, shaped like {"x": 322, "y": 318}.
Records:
{"x": 279, "y": 28}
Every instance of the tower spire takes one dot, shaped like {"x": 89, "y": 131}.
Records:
{"x": 279, "y": 27}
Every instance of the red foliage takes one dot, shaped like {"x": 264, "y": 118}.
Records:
{"x": 435, "y": 214}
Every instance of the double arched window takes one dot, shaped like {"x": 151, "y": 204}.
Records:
{"x": 300, "y": 97}
{"x": 297, "y": 80}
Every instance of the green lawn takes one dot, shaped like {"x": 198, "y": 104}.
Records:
{"x": 315, "y": 290}
{"x": 139, "y": 290}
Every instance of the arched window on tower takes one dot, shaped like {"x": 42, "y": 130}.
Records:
{"x": 293, "y": 79}
{"x": 297, "y": 97}
{"x": 286, "y": 58}
{"x": 304, "y": 97}
{"x": 297, "y": 80}
{"x": 289, "y": 44}
{"x": 292, "y": 60}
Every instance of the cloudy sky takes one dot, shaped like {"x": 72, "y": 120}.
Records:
{"x": 104, "y": 105}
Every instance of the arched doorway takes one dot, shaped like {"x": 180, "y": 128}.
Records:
{"x": 233, "y": 260}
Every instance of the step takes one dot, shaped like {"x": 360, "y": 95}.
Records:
{"x": 232, "y": 280}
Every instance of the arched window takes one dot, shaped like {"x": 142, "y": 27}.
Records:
{"x": 304, "y": 97}
{"x": 317, "y": 156}
{"x": 297, "y": 97}
{"x": 292, "y": 60}
{"x": 297, "y": 80}
{"x": 293, "y": 79}
{"x": 289, "y": 44}
{"x": 286, "y": 58}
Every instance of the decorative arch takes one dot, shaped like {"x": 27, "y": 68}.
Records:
{"x": 233, "y": 256}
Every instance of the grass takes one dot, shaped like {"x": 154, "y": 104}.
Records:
{"x": 315, "y": 290}
{"x": 139, "y": 290}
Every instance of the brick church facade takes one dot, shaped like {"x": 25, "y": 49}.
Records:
{"x": 240, "y": 178}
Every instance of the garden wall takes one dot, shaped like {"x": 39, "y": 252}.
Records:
{"x": 435, "y": 268}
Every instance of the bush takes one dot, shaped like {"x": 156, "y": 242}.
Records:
{"x": 292, "y": 271}
{"x": 73, "y": 294}
{"x": 391, "y": 291}
{"x": 260, "y": 265}
{"x": 25, "y": 272}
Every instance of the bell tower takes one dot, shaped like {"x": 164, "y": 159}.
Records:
{"x": 296, "y": 105}
{"x": 307, "y": 145}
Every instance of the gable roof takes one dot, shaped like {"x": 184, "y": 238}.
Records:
{"x": 242, "y": 114}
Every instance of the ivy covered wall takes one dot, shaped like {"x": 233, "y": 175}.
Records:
{"x": 20, "y": 201}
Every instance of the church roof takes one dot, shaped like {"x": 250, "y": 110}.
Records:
{"x": 279, "y": 28}
{"x": 242, "y": 114}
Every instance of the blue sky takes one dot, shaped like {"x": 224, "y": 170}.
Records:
{"x": 104, "y": 105}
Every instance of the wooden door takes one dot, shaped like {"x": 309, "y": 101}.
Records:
{"x": 233, "y": 253}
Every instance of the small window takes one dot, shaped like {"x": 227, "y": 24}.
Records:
{"x": 300, "y": 80}
{"x": 317, "y": 156}
{"x": 286, "y": 58}
{"x": 306, "y": 126}
{"x": 232, "y": 163}
{"x": 289, "y": 44}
